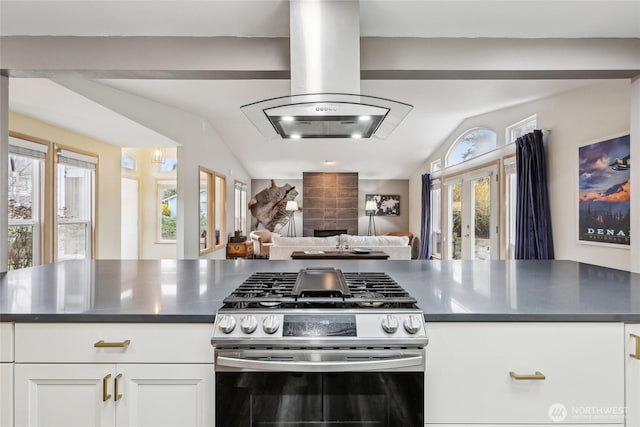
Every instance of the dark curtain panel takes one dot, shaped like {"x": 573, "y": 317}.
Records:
{"x": 425, "y": 229}
{"x": 533, "y": 214}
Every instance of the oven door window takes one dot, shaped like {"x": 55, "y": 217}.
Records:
{"x": 380, "y": 399}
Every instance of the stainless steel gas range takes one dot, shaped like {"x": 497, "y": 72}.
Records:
{"x": 319, "y": 347}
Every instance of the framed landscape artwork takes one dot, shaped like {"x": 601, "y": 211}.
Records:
{"x": 388, "y": 205}
{"x": 604, "y": 192}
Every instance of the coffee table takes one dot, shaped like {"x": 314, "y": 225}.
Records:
{"x": 346, "y": 254}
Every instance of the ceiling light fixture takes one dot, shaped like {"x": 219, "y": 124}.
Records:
{"x": 364, "y": 118}
{"x": 287, "y": 119}
{"x": 356, "y": 136}
{"x": 157, "y": 156}
{"x": 329, "y": 162}
{"x": 295, "y": 136}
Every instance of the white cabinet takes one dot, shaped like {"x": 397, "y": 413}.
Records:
{"x": 632, "y": 370}
{"x": 524, "y": 373}
{"x": 6, "y": 374}
{"x": 6, "y": 394}
{"x": 165, "y": 395}
{"x": 94, "y": 375}
{"x": 62, "y": 395}
{"x": 103, "y": 395}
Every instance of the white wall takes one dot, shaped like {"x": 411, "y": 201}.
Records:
{"x": 384, "y": 224}
{"x": 574, "y": 118}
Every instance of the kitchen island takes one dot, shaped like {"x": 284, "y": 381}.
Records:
{"x": 511, "y": 342}
{"x": 192, "y": 290}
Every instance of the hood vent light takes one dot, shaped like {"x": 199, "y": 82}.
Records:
{"x": 325, "y": 100}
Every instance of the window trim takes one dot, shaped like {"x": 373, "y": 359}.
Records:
{"x": 210, "y": 198}
{"x": 213, "y": 199}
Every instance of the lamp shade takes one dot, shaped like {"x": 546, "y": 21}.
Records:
{"x": 370, "y": 205}
{"x": 292, "y": 205}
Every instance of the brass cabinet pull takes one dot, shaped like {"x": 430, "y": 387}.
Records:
{"x": 118, "y": 396}
{"x": 537, "y": 376}
{"x": 105, "y": 395}
{"x": 103, "y": 344}
{"x": 636, "y": 355}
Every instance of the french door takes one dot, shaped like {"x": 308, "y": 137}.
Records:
{"x": 471, "y": 214}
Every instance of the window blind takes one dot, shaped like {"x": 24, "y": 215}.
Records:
{"x": 71, "y": 158}
{"x": 22, "y": 147}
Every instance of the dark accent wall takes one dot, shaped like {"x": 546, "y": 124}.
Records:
{"x": 330, "y": 201}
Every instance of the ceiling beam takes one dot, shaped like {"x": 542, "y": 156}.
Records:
{"x": 237, "y": 58}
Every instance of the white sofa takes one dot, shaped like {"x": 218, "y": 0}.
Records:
{"x": 395, "y": 246}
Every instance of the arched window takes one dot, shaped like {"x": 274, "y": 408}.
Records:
{"x": 472, "y": 143}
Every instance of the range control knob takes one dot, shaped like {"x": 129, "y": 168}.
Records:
{"x": 270, "y": 324}
{"x": 227, "y": 323}
{"x": 412, "y": 324}
{"x": 248, "y": 324}
{"x": 390, "y": 323}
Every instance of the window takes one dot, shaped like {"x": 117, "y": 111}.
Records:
{"x": 75, "y": 189}
{"x": 212, "y": 210}
{"x": 24, "y": 181}
{"x": 436, "y": 223}
{"x": 520, "y": 128}
{"x": 471, "y": 144}
{"x": 240, "y": 210}
{"x": 167, "y": 211}
{"x": 206, "y": 181}
{"x": 436, "y": 165}
{"x": 511, "y": 195}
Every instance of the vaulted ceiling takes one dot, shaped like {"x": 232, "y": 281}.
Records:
{"x": 440, "y": 105}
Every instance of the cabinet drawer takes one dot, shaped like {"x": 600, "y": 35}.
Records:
{"x": 6, "y": 342}
{"x": 468, "y": 379}
{"x": 148, "y": 343}
{"x": 235, "y": 249}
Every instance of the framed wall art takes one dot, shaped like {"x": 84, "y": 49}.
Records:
{"x": 387, "y": 205}
{"x": 604, "y": 195}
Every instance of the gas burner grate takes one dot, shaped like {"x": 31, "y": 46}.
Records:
{"x": 271, "y": 290}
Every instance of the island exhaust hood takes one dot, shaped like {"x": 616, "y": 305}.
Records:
{"x": 325, "y": 100}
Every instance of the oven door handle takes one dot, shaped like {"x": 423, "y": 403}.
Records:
{"x": 322, "y": 366}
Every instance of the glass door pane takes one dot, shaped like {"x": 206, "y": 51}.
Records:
{"x": 436, "y": 231}
{"x": 454, "y": 240}
{"x": 481, "y": 217}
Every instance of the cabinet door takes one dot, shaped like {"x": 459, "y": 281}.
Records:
{"x": 6, "y": 394}
{"x": 529, "y": 373}
{"x": 165, "y": 395}
{"x": 632, "y": 351}
{"x": 63, "y": 395}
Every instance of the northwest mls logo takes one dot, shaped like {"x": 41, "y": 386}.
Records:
{"x": 557, "y": 412}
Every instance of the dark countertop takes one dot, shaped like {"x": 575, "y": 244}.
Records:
{"x": 192, "y": 290}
